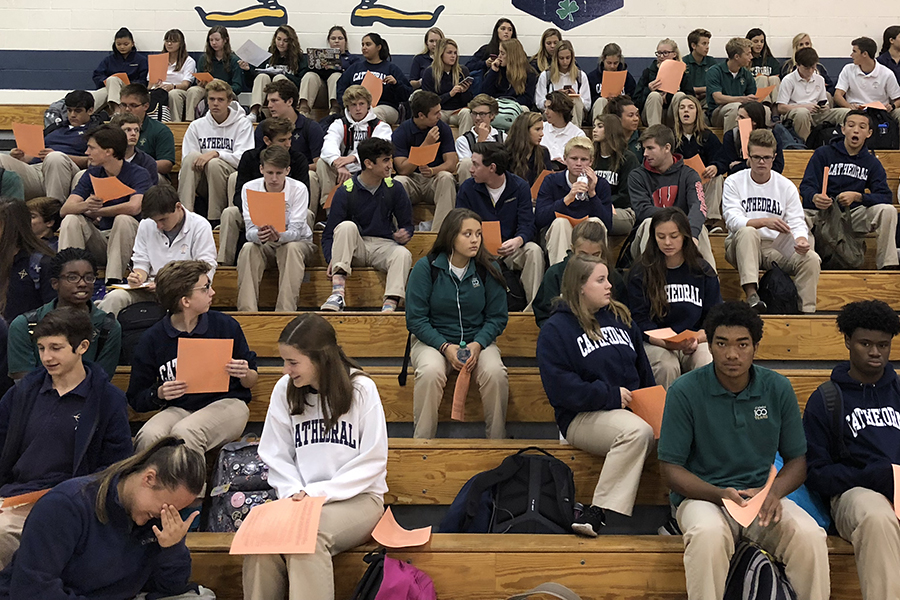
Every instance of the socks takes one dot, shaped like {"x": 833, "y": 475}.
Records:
{"x": 338, "y": 284}
{"x": 390, "y": 304}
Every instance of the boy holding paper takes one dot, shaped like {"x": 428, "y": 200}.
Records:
{"x": 100, "y": 221}
{"x": 722, "y": 425}
{"x": 850, "y": 453}
{"x": 286, "y": 242}
{"x": 858, "y": 183}
{"x": 654, "y": 102}
{"x": 766, "y": 225}
{"x": 63, "y": 420}
{"x": 432, "y": 182}
{"x": 203, "y": 420}
{"x": 866, "y": 80}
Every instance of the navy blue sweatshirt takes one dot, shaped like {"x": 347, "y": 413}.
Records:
{"x": 710, "y": 151}
{"x": 690, "y": 295}
{"x": 391, "y": 95}
{"x": 595, "y": 79}
{"x": 134, "y": 65}
{"x": 846, "y": 174}
{"x": 29, "y": 285}
{"x": 732, "y": 153}
{"x": 68, "y": 554}
{"x": 443, "y": 88}
{"x": 870, "y": 428}
{"x": 47, "y": 439}
{"x": 496, "y": 85}
{"x": 156, "y": 360}
{"x": 373, "y": 214}
{"x": 420, "y": 64}
{"x": 584, "y": 375}
{"x": 477, "y": 62}
{"x": 307, "y": 139}
{"x": 551, "y": 196}
{"x": 513, "y": 209}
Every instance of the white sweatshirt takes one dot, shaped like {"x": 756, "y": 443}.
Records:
{"x": 334, "y": 144}
{"x": 555, "y": 140}
{"x": 545, "y": 86}
{"x": 296, "y": 206}
{"x": 230, "y": 139}
{"x": 185, "y": 74}
{"x": 348, "y": 460}
{"x": 152, "y": 250}
{"x": 744, "y": 199}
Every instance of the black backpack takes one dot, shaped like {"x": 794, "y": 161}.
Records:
{"x": 527, "y": 493}
{"x": 834, "y": 406}
{"x": 753, "y": 575}
{"x": 885, "y": 131}
{"x": 779, "y": 293}
{"x": 135, "y": 320}
{"x": 822, "y": 134}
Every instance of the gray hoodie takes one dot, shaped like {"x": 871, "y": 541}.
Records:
{"x": 679, "y": 186}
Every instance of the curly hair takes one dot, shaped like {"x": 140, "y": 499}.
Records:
{"x": 868, "y": 314}
{"x": 734, "y": 313}
{"x": 67, "y": 255}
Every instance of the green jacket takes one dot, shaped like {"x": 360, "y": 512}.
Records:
{"x": 696, "y": 72}
{"x": 436, "y": 309}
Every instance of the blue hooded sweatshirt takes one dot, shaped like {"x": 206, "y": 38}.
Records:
{"x": 555, "y": 188}
{"x": 584, "y": 375}
{"x": 68, "y": 554}
{"x": 845, "y": 174}
{"x": 134, "y": 65}
{"x": 391, "y": 95}
{"x": 513, "y": 209}
{"x": 870, "y": 428}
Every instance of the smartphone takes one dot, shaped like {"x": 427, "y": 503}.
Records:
{"x": 467, "y": 81}
{"x": 822, "y": 102}
{"x": 567, "y": 88}
{"x": 493, "y": 57}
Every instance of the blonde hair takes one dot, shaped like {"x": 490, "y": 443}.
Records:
{"x": 517, "y": 67}
{"x": 791, "y": 63}
{"x": 554, "y": 66}
{"x": 354, "y": 93}
{"x": 736, "y": 45}
{"x": 674, "y": 44}
{"x": 217, "y": 85}
{"x": 700, "y": 128}
{"x": 436, "y": 30}
{"x": 581, "y": 142}
{"x": 437, "y": 65}
{"x": 578, "y": 271}
{"x": 542, "y": 58}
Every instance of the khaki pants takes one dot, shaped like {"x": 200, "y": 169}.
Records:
{"x": 749, "y": 253}
{"x": 432, "y": 368}
{"x": 117, "y": 300}
{"x": 710, "y": 535}
{"x": 230, "y": 227}
{"x": 253, "y": 261}
{"x": 311, "y": 89}
{"x": 599, "y": 109}
{"x": 626, "y": 440}
{"x": 113, "y": 246}
{"x": 386, "y": 113}
{"x": 643, "y": 234}
{"x": 193, "y": 96}
{"x": 804, "y": 119}
{"x": 713, "y": 191}
{"x": 578, "y": 111}
{"x": 765, "y": 81}
{"x": 439, "y": 190}
{"x": 463, "y": 170}
{"x": 177, "y": 99}
{"x": 622, "y": 222}
{"x": 726, "y": 116}
{"x": 52, "y": 177}
{"x": 221, "y": 422}
{"x": 466, "y": 121}
{"x": 866, "y": 519}
{"x": 529, "y": 259}
{"x": 342, "y": 526}
{"x": 215, "y": 175}
{"x": 257, "y": 95}
{"x": 12, "y": 520}
{"x": 326, "y": 180}
{"x": 669, "y": 365}
{"x": 559, "y": 238}
{"x": 350, "y": 249}
{"x": 655, "y": 108}
{"x": 880, "y": 218}
{"x": 450, "y": 117}
{"x": 110, "y": 92}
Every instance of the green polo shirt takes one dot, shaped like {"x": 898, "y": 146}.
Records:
{"x": 696, "y": 72}
{"x": 720, "y": 79}
{"x": 727, "y": 439}
{"x": 157, "y": 140}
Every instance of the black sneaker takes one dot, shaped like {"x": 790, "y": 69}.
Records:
{"x": 590, "y": 521}
{"x": 670, "y": 528}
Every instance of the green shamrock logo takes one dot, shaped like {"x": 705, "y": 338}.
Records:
{"x": 566, "y": 9}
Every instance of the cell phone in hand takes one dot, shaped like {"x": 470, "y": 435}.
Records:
{"x": 467, "y": 81}
{"x": 822, "y": 102}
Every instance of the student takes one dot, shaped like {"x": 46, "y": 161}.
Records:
{"x": 313, "y": 80}
{"x": 803, "y": 96}
{"x": 510, "y": 76}
{"x": 63, "y": 420}
{"x": 610, "y": 60}
{"x": 731, "y": 141}
{"x": 850, "y": 453}
{"x": 693, "y": 138}
{"x": 360, "y": 229}
{"x": 72, "y": 274}
{"x": 45, "y": 219}
{"x": 167, "y": 232}
{"x": 504, "y": 30}
{"x": 211, "y": 149}
{"x": 424, "y": 60}
{"x": 51, "y": 172}
{"x": 11, "y": 185}
{"x": 890, "y": 50}
{"x": 798, "y": 42}
{"x": 865, "y": 80}
{"x": 156, "y": 139}
{"x": 482, "y": 110}
{"x": 122, "y": 534}
{"x": 322, "y": 390}
{"x": 446, "y": 78}
{"x": 730, "y": 84}
{"x": 559, "y": 195}
{"x": 698, "y": 62}
{"x": 543, "y": 58}
{"x": 857, "y": 181}
{"x": 131, "y": 125}
{"x": 106, "y": 229}
{"x": 649, "y": 99}
{"x": 496, "y": 194}
{"x": 24, "y": 262}
{"x": 457, "y": 295}
{"x": 266, "y": 245}
{"x": 527, "y": 157}
{"x": 630, "y": 116}
{"x": 664, "y": 180}
{"x": 591, "y": 358}
{"x": 588, "y": 238}
{"x": 219, "y": 61}
{"x": 672, "y": 286}
{"x": 433, "y": 183}
{"x": 179, "y": 75}
{"x": 559, "y": 129}
{"x": 287, "y": 61}
{"x": 564, "y": 75}
{"x": 376, "y": 58}
{"x": 124, "y": 59}
{"x": 614, "y": 163}
{"x": 206, "y": 420}
{"x": 764, "y": 67}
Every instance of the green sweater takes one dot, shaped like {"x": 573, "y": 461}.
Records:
{"x": 232, "y": 75}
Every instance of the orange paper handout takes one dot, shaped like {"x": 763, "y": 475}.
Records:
{"x": 123, "y": 77}
{"x": 286, "y": 526}
{"x": 747, "y": 513}
{"x": 670, "y": 74}
{"x": 158, "y": 65}
{"x": 896, "y": 469}
{"x": 490, "y": 236}
{"x": 201, "y": 364}
{"x": 423, "y": 155}
{"x": 330, "y": 197}
{"x": 745, "y": 127}
{"x": 203, "y": 76}
{"x": 825, "y": 174}
{"x": 110, "y": 188}
{"x": 29, "y": 138}
{"x": 876, "y": 104}
{"x": 390, "y": 534}
{"x": 763, "y": 93}
{"x": 667, "y": 334}
{"x": 267, "y": 208}
{"x": 572, "y": 220}
{"x": 696, "y": 163}
{"x": 23, "y": 499}
{"x": 648, "y": 404}
{"x": 536, "y": 186}
{"x": 612, "y": 83}
{"x": 460, "y": 391}
{"x": 375, "y": 85}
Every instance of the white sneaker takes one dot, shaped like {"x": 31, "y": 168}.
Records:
{"x": 335, "y": 303}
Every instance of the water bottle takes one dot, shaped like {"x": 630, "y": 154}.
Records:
{"x": 581, "y": 196}
{"x": 463, "y": 354}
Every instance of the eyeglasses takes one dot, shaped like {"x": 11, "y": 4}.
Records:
{"x": 661, "y": 53}
{"x": 480, "y": 114}
{"x": 75, "y": 278}
{"x": 761, "y": 159}
{"x": 205, "y": 288}
{"x": 132, "y": 105}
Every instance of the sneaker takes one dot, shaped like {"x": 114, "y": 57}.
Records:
{"x": 424, "y": 226}
{"x": 670, "y": 528}
{"x": 335, "y": 303}
{"x": 320, "y": 226}
{"x": 590, "y": 521}
{"x": 757, "y": 304}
